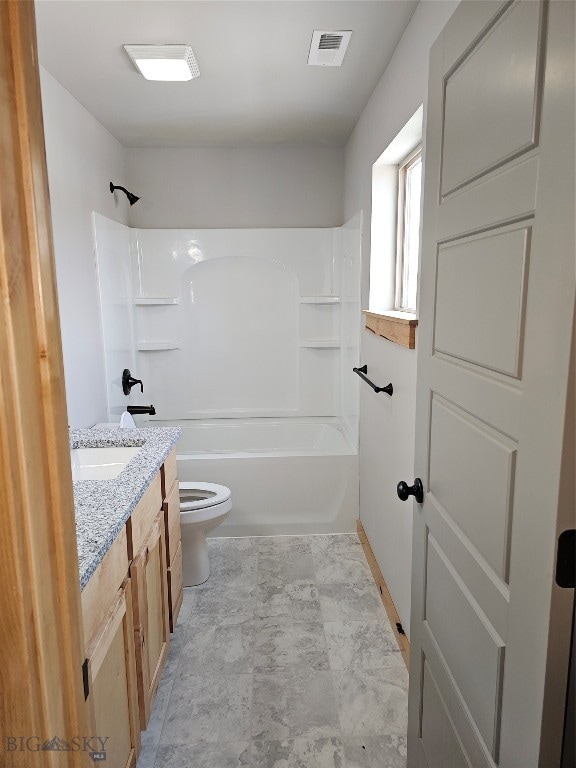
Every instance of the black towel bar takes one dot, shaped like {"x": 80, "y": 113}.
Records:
{"x": 389, "y": 389}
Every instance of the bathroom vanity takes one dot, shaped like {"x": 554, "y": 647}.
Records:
{"x": 130, "y": 557}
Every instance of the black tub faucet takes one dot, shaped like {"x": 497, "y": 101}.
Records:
{"x": 135, "y": 410}
{"x": 128, "y": 381}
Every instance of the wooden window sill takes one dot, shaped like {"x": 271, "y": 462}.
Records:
{"x": 399, "y": 327}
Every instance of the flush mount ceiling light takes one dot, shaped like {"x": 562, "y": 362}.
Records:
{"x": 164, "y": 62}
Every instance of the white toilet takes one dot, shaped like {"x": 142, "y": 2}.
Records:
{"x": 203, "y": 506}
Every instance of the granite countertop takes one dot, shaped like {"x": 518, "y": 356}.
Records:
{"x": 103, "y": 506}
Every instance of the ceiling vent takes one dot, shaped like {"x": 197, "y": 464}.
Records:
{"x": 328, "y": 47}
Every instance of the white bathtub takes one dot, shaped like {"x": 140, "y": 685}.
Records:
{"x": 287, "y": 476}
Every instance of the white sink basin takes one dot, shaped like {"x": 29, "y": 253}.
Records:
{"x": 99, "y": 463}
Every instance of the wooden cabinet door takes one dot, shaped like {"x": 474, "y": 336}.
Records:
{"x": 171, "y": 509}
{"x": 151, "y": 631}
{"x": 113, "y": 689}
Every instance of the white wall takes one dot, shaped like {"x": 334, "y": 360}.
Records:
{"x": 387, "y": 424}
{"x": 242, "y": 187}
{"x": 82, "y": 159}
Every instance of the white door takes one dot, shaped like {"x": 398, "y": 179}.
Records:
{"x": 496, "y": 312}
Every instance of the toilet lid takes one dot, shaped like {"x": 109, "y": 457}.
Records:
{"x": 202, "y": 495}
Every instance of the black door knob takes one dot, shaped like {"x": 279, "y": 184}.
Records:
{"x": 417, "y": 490}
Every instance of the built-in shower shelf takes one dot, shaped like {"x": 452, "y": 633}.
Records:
{"x": 151, "y": 302}
{"x": 319, "y": 300}
{"x": 156, "y": 346}
{"x": 320, "y": 344}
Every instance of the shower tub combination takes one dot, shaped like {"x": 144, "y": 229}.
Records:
{"x": 246, "y": 338}
{"x": 287, "y": 476}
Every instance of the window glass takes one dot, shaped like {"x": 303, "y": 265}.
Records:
{"x": 410, "y": 189}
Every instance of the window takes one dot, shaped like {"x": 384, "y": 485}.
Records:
{"x": 394, "y": 232}
{"x": 408, "y": 233}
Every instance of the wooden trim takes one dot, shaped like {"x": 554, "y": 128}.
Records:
{"x": 177, "y": 605}
{"x": 41, "y": 645}
{"x": 142, "y": 518}
{"x": 98, "y": 594}
{"x": 168, "y": 472}
{"x": 398, "y": 327}
{"x": 171, "y": 508}
{"x": 402, "y": 640}
{"x": 175, "y": 587}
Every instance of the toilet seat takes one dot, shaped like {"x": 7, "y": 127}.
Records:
{"x": 203, "y": 506}
{"x": 203, "y": 495}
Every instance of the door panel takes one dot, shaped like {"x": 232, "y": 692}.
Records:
{"x": 491, "y": 97}
{"x": 487, "y": 201}
{"x": 496, "y": 308}
{"x": 469, "y": 386}
{"x": 439, "y": 738}
{"x": 459, "y": 446}
{"x": 473, "y": 746}
{"x": 469, "y": 322}
{"x": 491, "y": 593}
{"x": 470, "y": 646}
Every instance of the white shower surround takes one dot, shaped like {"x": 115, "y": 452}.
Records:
{"x": 168, "y": 264}
{"x": 281, "y": 430}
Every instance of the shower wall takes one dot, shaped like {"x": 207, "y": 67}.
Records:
{"x": 233, "y": 322}
{"x": 347, "y": 250}
{"x": 112, "y": 247}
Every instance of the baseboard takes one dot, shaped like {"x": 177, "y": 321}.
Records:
{"x": 402, "y": 640}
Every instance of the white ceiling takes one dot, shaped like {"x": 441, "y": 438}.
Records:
{"x": 255, "y": 86}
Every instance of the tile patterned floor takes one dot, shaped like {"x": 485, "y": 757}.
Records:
{"x": 284, "y": 659}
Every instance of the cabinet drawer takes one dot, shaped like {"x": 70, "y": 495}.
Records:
{"x": 142, "y": 518}
{"x": 169, "y": 473}
{"x": 171, "y": 508}
{"x": 175, "y": 591}
{"x": 98, "y": 595}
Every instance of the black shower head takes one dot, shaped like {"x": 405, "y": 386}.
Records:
{"x": 131, "y": 198}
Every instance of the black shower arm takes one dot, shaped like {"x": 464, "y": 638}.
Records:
{"x": 132, "y": 198}
{"x": 118, "y": 186}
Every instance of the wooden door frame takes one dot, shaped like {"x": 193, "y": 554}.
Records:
{"x": 41, "y": 644}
